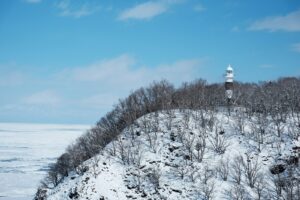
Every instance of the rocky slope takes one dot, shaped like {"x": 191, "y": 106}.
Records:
{"x": 191, "y": 155}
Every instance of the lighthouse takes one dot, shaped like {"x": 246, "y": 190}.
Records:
{"x": 229, "y": 83}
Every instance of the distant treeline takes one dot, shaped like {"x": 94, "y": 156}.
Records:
{"x": 274, "y": 97}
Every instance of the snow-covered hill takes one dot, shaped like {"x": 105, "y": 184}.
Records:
{"x": 191, "y": 155}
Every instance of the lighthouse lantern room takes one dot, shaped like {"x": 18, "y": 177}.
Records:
{"x": 229, "y": 82}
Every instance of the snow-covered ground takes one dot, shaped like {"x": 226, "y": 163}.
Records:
{"x": 25, "y": 152}
{"x": 151, "y": 160}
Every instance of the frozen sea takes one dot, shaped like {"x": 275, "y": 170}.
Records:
{"x": 26, "y": 150}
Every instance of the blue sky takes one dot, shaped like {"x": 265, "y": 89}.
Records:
{"x": 69, "y": 61}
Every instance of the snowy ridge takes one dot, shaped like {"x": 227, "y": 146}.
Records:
{"x": 185, "y": 154}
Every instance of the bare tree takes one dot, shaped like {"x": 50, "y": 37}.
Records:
{"x": 200, "y": 148}
{"x": 193, "y": 173}
{"x": 239, "y": 121}
{"x": 152, "y": 139}
{"x": 180, "y": 170}
{"x": 186, "y": 119}
{"x": 278, "y": 183}
{"x": 291, "y": 181}
{"x": 223, "y": 169}
{"x": 237, "y": 169}
{"x": 259, "y": 127}
{"x": 52, "y": 179}
{"x": 218, "y": 142}
{"x": 181, "y": 134}
{"x": 294, "y": 126}
{"x": 251, "y": 169}
{"x": 208, "y": 190}
{"x": 260, "y": 187}
{"x": 170, "y": 117}
{"x": 121, "y": 151}
{"x": 206, "y": 174}
{"x": 95, "y": 165}
{"x": 41, "y": 193}
{"x": 236, "y": 192}
{"x": 188, "y": 143}
{"x": 112, "y": 150}
{"x": 278, "y": 118}
{"x": 211, "y": 119}
{"x": 151, "y": 131}
{"x": 154, "y": 177}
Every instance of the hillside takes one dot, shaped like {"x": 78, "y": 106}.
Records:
{"x": 191, "y": 154}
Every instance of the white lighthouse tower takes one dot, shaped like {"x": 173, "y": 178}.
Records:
{"x": 229, "y": 82}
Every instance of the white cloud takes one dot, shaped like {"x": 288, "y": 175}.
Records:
{"x": 296, "y": 47}
{"x": 147, "y": 10}
{"x": 289, "y": 22}
{"x": 87, "y": 92}
{"x": 105, "y": 69}
{"x": 125, "y": 72}
{"x": 43, "y": 98}
{"x": 99, "y": 101}
{"x": 143, "y": 11}
{"x": 12, "y": 79}
{"x": 77, "y": 10}
{"x": 106, "y": 81}
{"x": 199, "y": 8}
{"x": 33, "y": 1}
{"x": 179, "y": 71}
{"x": 235, "y": 29}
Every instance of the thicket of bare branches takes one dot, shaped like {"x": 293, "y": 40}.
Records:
{"x": 278, "y": 99}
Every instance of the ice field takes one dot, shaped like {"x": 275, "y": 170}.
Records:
{"x": 26, "y": 150}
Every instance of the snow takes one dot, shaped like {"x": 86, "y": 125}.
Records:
{"x": 110, "y": 178}
{"x": 26, "y": 150}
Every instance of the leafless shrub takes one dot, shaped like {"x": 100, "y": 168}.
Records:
{"x": 81, "y": 169}
{"x": 208, "y": 190}
{"x": 289, "y": 184}
{"x": 154, "y": 177}
{"x": 121, "y": 151}
{"x": 170, "y": 117}
{"x": 180, "y": 170}
{"x": 206, "y": 174}
{"x": 95, "y": 165}
{"x": 180, "y": 134}
{"x": 52, "y": 179}
{"x": 188, "y": 143}
{"x": 278, "y": 183}
{"x": 200, "y": 147}
{"x": 294, "y": 129}
{"x": 218, "y": 142}
{"x": 251, "y": 169}
{"x": 137, "y": 178}
{"x": 112, "y": 150}
{"x": 260, "y": 187}
{"x": 236, "y": 192}
{"x": 223, "y": 169}
{"x": 239, "y": 121}
{"x": 278, "y": 119}
{"x": 193, "y": 173}
{"x": 154, "y": 125}
{"x": 137, "y": 155}
{"x": 236, "y": 169}
{"x": 152, "y": 139}
{"x": 259, "y": 127}
{"x": 41, "y": 193}
{"x": 211, "y": 120}
{"x": 186, "y": 119}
